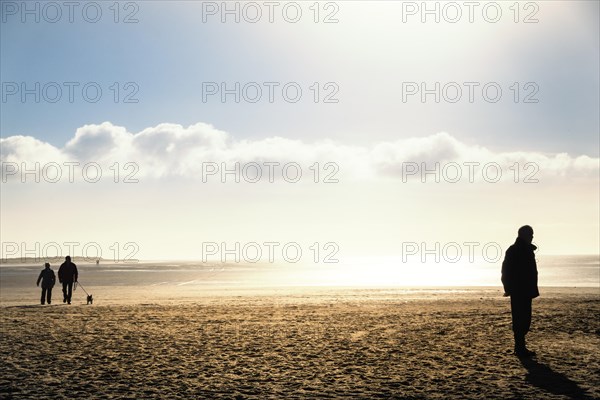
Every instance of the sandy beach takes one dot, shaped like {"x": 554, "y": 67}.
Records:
{"x": 337, "y": 343}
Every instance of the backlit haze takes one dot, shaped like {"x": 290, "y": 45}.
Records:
{"x": 372, "y": 180}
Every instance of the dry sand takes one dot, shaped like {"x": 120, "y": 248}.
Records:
{"x": 355, "y": 344}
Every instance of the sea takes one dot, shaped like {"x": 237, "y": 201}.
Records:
{"x": 153, "y": 279}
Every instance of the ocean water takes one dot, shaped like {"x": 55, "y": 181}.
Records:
{"x": 579, "y": 271}
{"x": 554, "y": 271}
{"x": 181, "y": 281}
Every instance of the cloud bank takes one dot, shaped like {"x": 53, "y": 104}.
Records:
{"x": 171, "y": 150}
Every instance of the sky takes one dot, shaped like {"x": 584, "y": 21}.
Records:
{"x": 341, "y": 129}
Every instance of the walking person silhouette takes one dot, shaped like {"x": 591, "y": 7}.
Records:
{"x": 48, "y": 280}
{"x": 67, "y": 275}
{"x": 520, "y": 278}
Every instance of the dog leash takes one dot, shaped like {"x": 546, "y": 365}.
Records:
{"x": 82, "y": 288}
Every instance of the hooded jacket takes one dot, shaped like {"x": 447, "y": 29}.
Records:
{"x": 519, "y": 270}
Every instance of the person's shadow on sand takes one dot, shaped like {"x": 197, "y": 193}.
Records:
{"x": 543, "y": 377}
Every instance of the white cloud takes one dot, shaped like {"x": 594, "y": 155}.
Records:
{"x": 171, "y": 150}
{"x": 28, "y": 149}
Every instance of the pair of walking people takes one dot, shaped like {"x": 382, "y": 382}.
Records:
{"x": 67, "y": 275}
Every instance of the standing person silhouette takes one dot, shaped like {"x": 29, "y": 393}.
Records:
{"x": 48, "y": 280}
{"x": 67, "y": 275}
{"x": 520, "y": 278}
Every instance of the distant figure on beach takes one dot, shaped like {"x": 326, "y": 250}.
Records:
{"x": 48, "y": 280}
{"x": 67, "y": 275}
{"x": 520, "y": 278}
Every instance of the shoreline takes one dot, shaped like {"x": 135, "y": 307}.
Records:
{"x": 174, "y": 294}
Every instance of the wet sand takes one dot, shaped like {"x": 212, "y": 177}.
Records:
{"x": 285, "y": 345}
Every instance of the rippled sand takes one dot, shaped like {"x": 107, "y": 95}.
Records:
{"x": 331, "y": 345}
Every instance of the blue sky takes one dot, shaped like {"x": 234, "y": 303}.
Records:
{"x": 368, "y": 61}
{"x": 170, "y": 52}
